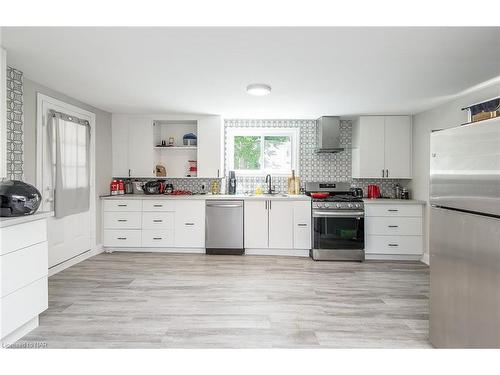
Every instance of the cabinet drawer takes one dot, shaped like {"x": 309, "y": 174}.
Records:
{"x": 158, "y": 205}
{"x": 23, "y": 305}
{"x": 122, "y": 205}
{"x": 23, "y": 235}
{"x": 410, "y": 245}
{"x": 158, "y": 220}
{"x": 122, "y": 220}
{"x": 397, "y": 226}
{"x": 22, "y": 267}
{"x": 157, "y": 238}
{"x": 122, "y": 238}
{"x": 390, "y": 210}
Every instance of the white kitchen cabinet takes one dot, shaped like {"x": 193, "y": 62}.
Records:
{"x": 256, "y": 224}
{"x": 280, "y": 224}
{"x": 381, "y": 147}
{"x": 302, "y": 225}
{"x": 132, "y": 146}
{"x": 190, "y": 223}
{"x": 210, "y": 146}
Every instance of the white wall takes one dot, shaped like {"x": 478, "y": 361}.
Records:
{"x": 444, "y": 116}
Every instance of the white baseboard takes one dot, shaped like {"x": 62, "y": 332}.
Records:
{"x": 425, "y": 259}
{"x": 180, "y": 250}
{"x": 389, "y": 257}
{"x": 71, "y": 262}
{"x": 22, "y": 331}
{"x": 280, "y": 252}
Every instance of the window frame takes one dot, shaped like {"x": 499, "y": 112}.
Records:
{"x": 261, "y": 132}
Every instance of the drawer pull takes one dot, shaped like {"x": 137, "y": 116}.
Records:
{"x": 157, "y": 238}
{"x": 121, "y": 238}
{"x": 157, "y": 220}
{"x": 393, "y": 226}
{"x": 393, "y": 210}
{"x": 302, "y": 225}
{"x": 157, "y": 205}
{"x": 122, "y": 205}
{"x": 393, "y": 245}
{"x": 122, "y": 220}
{"x": 189, "y": 224}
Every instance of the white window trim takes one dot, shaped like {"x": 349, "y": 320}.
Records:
{"x": 294, "y": 133}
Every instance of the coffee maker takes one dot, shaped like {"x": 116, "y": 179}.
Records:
{"x": 231, "y": 184}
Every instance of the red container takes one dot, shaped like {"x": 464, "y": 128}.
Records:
{"x": 113, "y": 187}
{"x": 121, "y": 187}
{"x": 373, "y": 191}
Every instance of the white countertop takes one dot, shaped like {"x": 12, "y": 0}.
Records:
{"x": 392, "y": 201}
{"x": 8, "y": 221}
{"x": 210, "y": 197}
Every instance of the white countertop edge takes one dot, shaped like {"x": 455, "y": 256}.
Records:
{"x": 15, "y": 220}
{"x": 207, "y": 197}
{"x": 393, "y": 201}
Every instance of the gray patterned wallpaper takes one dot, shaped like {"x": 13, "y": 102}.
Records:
{"x": 15, "y": 119}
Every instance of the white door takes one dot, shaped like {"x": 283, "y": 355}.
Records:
{"x": 141, "y": 161}
{"x": 71, "y": 235}
{"x": 371, "y": 146}
{"x": 398, "y": 146}
{"x": 256, "y": 225}
{"x": 302, "y": 225}
{"x": 210, "y": 146}
{"x": 189, "y": 224}
{"x": 280, "y": 225}
{"x": 119, "y": 131}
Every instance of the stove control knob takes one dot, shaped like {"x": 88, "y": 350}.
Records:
{"x": 326, "y": 205}
{"x": 349, "y": 205}
{"x": 338, "y": 205}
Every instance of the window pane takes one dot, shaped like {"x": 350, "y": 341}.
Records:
{"x": 277, "y": 153}
{"x": 247, "y": 152}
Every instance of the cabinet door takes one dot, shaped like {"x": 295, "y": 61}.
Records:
{"x": 398, "y": 146}
{"x": 368, "y": 147}
{"x": 256, "y": 225}
{"x": 302, "y": 225}
{"x": 140, "y": 147}
{"x": 280, "y": 224}
{"x": 119, "y": 145}
{"x": 210, "y": 147}
{"x": 189, "y": 224}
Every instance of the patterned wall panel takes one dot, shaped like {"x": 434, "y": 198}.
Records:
{"x": 15, "y": 119}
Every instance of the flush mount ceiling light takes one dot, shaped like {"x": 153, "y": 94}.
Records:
{"x": 258, "y": 89}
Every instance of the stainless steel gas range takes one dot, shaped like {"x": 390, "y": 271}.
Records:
{"x": 338, "y": 222}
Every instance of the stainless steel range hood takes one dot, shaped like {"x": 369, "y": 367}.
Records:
{"x": 328, "y": 135}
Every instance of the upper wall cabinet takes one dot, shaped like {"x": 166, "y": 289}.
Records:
{"x": 137, "y": 145}
{"x": 3, "y": 113}
{"x": 381, "y": 147}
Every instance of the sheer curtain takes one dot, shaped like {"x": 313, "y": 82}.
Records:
{"x": 70, "y": 154}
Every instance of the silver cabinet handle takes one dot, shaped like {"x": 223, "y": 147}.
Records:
{"x": 266, "y": 205}
{"x": 386, "y": 173}
{"x": 122, "y": 220}
{"x": 302, "y": 225}
{"x": 393, "y": 210}
{"x": 393, "y": 226}
{"x": 270, "y": 205}
{"x": 157, "y": 221}
{"x": 157, "y": 238}
{"x": 121, "y": 238}
{"x": 383, "y": 173}
{"x": 157, "y": 205}
{"x": 393, "y": 245}
{"x": 122, "y": 205}
{"x": 189, "y": 224}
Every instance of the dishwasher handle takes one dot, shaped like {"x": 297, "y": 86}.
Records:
{"x": 225, "y": 204}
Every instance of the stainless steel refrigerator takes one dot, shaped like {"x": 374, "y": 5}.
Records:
{"x": 465, "y": 236}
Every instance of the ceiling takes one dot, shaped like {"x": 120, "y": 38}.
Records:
{"x": 312, "y": 71}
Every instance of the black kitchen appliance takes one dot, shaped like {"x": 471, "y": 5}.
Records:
{"x": 153, "y": 187}
{"x": 357, "y": 192}
{"x": 338, "y": 222}
{"x": 231, "y": 188}
{"x": 18, "y": 198}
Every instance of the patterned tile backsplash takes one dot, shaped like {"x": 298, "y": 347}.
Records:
{"x": 15, "y": 119}
{"x": 312, "y": 166}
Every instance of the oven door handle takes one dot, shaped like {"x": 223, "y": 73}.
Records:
{"x": 353, "y": 214}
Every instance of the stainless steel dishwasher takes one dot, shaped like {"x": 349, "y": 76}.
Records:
{"x": 224, "y": 227}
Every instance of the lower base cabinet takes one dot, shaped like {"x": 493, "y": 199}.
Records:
{"x": 190, "y": 224}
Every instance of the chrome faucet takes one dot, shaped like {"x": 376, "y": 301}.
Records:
{"x": 268, "y": 182}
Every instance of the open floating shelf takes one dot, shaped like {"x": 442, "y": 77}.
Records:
{"x": 176, "y": 147}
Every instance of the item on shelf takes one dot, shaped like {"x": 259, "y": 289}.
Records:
{"x": 193, "y": 168}
{"x": 171, "y": 142}
{"x": 484, "y": 111}
{"x": 231, "y": 187}
{"x": 121, "y": 187}
{"x": 114, "y": 187}
{"x": 169, "y": 188}
{"x": 405, "y": 194}
{"x": 129, "y": 188}
{"x": 137, "y": 187}
{"x": 215, "y": 188}
{"x": 397, "y": 191}
{"x": 18, "y": 198}
{"x": 161, "y": 171}
{"x": 293, "y": 184}
{"x": 181, "y": 192}
{"x": 203, "y": 189}
{"x": 189, "y": 139}
{"x": 373, "y": 192}
{"x": 357, "y": 192}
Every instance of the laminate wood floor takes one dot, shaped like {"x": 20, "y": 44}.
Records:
{"x": 158, "y": 300}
